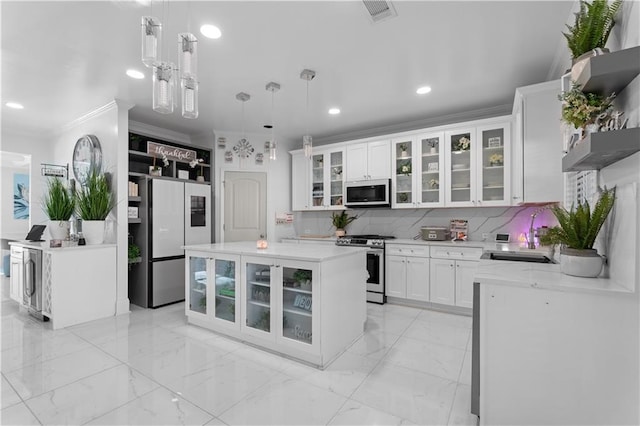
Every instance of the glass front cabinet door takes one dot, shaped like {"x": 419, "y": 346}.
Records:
{"x": 431, "y": 178}
{"x": 257, "y": 315}
{"x": 461, "y": 169}
{"x": 403, "y": 163}
{"x": 198, "y": 280}
{"x": 298, "y": 289}
{"x": 494, "y": 167}
{"x": 327, "y": 179}
{"x": 212, "y": 288}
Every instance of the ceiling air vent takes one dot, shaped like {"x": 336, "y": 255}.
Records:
{"x": 379, "y": 10}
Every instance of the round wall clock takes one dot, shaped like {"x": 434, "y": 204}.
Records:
{"x": 87, "y": 157}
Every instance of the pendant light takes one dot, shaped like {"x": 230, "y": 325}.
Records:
{"x": 164, "y": 77}
{"x": 243, "y": 148}
{"x": 307, "y": 140}
{"x": 188, "y": 55}
{"x": 273, "y": 88}
{"x": 151, "y": 40}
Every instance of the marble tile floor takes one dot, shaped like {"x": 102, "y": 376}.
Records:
{"x": 411, "y": 367}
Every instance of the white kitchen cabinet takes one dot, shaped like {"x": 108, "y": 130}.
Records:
{"x": 407, "y": 272}
{"x": 16, "y": 281}
{"x": 418, "y": 171}
{"x": 538, "y": 148}
{"x": 368, "y": 160}
{"x": 300, "y": 174}
{"x": 305, "y": 302}
{"x": 477, "y": 165}
{"x": 327, "y": 179}
{"x": 452, "y": 269}
{"x": 212, "y": 288}
{"x": 317, "y": 183}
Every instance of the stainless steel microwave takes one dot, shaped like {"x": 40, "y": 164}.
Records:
{"x": 368, "y": 193}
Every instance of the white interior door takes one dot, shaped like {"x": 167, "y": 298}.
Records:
{"x": 245, "y": 206}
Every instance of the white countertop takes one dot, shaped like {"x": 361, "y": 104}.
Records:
{"x": 315, "y": 253}
{"x": 44, "y": 246}
{"x": 541, "y": 275}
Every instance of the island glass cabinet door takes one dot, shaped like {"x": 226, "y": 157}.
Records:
{"x": 299, "y": 326}
{"x": 257, "y": 312}
{"x": 227, "y": 289}
{"x": 197, "y": 278}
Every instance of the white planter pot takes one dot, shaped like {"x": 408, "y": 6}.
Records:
{"x": 580, "y": 263}
{"x": 340, "y": 232}
{"x": 59, "y": 229}
{"x": 93, "y": 231}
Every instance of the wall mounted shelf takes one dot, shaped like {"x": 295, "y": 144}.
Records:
{"x": 599, "y": 150}
{"x": 612, "y": 72}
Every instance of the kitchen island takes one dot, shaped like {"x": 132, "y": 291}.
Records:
{"x": 550, "y": 348}
{"x": 303, "y": 302}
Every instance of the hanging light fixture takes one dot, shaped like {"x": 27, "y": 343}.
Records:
{"x": 273, "y": 88}
{"x": 188, "y": 57}
{"x": 163, "y": 87}
{"x": 243, "y": 148}
{"x": 307, "y": 140}
{"x": 151, "y": 40}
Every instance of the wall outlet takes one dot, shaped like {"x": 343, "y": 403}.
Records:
{"x": 485, "y": 236}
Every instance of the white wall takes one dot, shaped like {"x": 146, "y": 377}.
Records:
{"x": 278, "y": 180}
{"x": 109, "y": 124}
{"x": 38, "y": 147}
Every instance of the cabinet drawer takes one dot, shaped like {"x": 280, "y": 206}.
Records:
{"x": 408, "y": 250}
{"x": 16, "y": 252}
{"x": 448, "y": 252}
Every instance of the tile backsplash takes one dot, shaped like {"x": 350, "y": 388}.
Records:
{"x": 406, "y": 223}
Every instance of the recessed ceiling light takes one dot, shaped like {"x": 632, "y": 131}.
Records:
{"x": 423, "y": 90}
{"x": 210, "y": 31}
{"x": 334, "y": 111}
{"x": 135, "y": 74}
{"x": 14, "y": 105}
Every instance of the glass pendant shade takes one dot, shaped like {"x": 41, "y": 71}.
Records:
{"x": 188, "y": 54}
{"x": 307, "y": 145}
{"x": 189, "y": 97}
{"x": 151, "y": 39}
{"x": 272, "y": 150}
{"x": 163, "y": 87}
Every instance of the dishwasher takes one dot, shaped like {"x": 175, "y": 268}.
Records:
{"x": 32, "y": 284}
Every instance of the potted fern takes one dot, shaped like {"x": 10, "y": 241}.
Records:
{"x": 590, "y": 32}
{"x": 94, "y": 203}
{"x": 58, "y": 204}
{"x": 340, "y": 221}
{"x": 577, "y": 232}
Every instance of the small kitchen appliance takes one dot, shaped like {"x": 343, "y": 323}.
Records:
{"x": 435, "y": 233}
{"x": 375, "y": 262}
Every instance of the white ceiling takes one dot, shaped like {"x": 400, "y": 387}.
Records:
{"x": 63, "y": 59}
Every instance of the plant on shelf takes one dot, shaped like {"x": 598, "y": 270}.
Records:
{"x": 582, "y": 109}
{"x": 156, "y": 169}
{"x": 194, "y": 163}
{"x": 495, "y": 160}
{"x": 58, "y": 204}
{"x": 341, "y": 220}
{"x": 302, "y": 275}
{"x": 403, "y": 197}
{"x": 403, "y": 148}
{"x": 133, "y": 253}
{"x": 94, "y": 202}
{"x": 405, "y": 168}
{"x": 577, "y": 232}
{"x": 462, "y": 144}
{"x": 592, "y": 26}
{"x": 434, "y": 184}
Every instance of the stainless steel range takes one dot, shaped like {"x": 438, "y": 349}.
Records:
{"x": 375, "y": 262}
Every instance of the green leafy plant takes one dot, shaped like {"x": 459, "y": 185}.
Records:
{"x": 58, "y": 202}
{"x": 95, "y": 200}
{"x": 580, "y": 109}
{"x": 405, "y": 168}
{"x": 592, "y": 26}
{"x": 342, "y": 219}
{"x": 302, "y": 275}
{"x": 403, "y": 147}
{"x": 579, "y": 227}
{"x": 133, "y": 251}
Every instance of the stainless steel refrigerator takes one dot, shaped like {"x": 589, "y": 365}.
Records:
{"x": 177, "y": 213}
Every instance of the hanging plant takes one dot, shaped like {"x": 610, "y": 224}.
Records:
{"x": 592, "y": 26}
